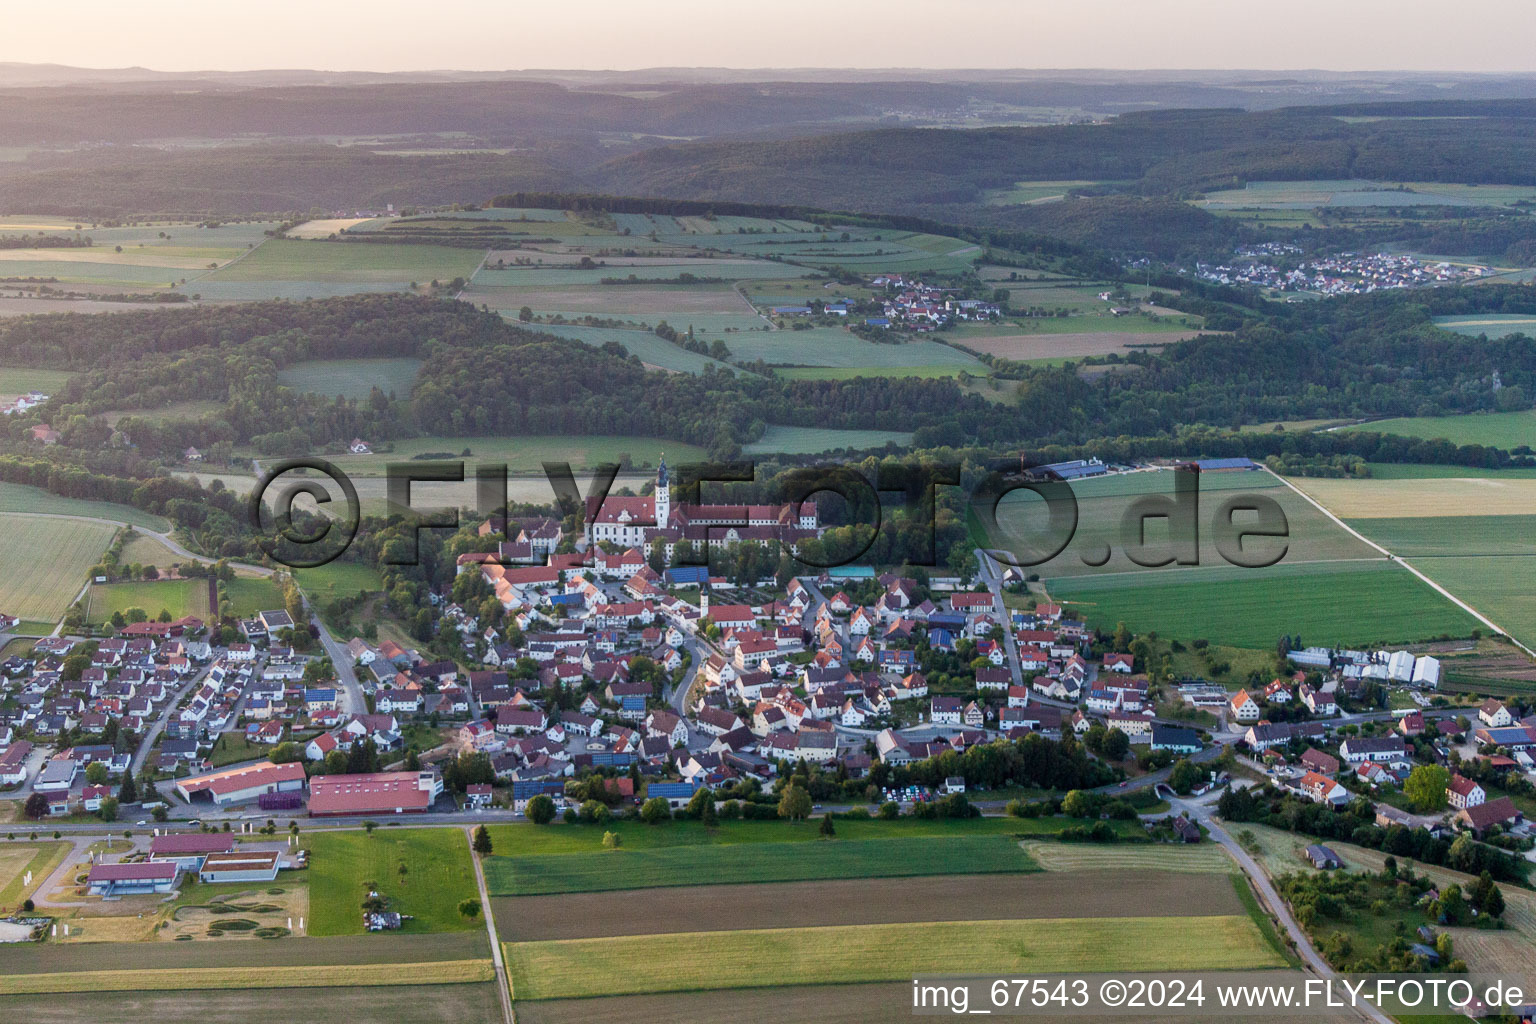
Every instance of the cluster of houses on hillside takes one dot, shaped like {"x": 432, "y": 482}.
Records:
{"x": 21, "y": 403}
{"x": 917, "y": 306}
{"x": 1343, "y": 274}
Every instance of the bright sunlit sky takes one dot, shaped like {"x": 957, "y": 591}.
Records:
{"x": 481, "y": 35}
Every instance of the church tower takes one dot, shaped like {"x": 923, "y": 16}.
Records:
{"x": 663, "y": 494}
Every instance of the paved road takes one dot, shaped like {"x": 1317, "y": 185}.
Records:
{"x": 171, "y": 707}
{"x": 341, "y": 661}
{"x": 1199, "y": 810}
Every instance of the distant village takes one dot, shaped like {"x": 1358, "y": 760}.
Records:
{"x": 1341, "y": 274}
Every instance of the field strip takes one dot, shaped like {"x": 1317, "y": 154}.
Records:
{"x": 1458, "y": 602}
{"x": 574, "y": 968}
{"x": 443, "y": 972}
{"x": 1071, "y": 857}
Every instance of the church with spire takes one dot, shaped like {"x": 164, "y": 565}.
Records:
{"x": 638, "y": 522}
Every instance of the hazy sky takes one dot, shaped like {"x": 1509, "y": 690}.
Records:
{"x": 397, "y": 35}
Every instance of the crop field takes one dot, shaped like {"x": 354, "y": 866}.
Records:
{"x": 22, "y": 499}
{"x": 446, "y": 972}
{"x": 1030, "y": 192}
{"x": 1205, "y": 858}
{"x": 179, "y": 597}
{"x": 43, "y": 563}
{"x": 834, "y": 346}
{"x": 1059, "y": 347}
{"x": 1410, "y": 497}
{"x": 656, "y": 301}
{"x": 525, "y": 454}
{"x": 1298, "y": 195}
{"x": 740, "y": 863}
{"x": 855, "y": 901}
{"x": 289, "y": 952}
{"x": 1498, "y": 429}
{"x": 1103, "y": 502}
{"x": 850, "y": 372}
{"x": 399, "y": 1004}
{"x": 351, "y": 262}
{"x": 643, "y": 269}
{"x": 882, "y": 952}
{"x": 650, "y": 349}
{"x": 247, "y": 595}
{"x": 352, "y": 378}
{"x": 1342, "y": 603}
{"x": 813, "y": 440}
{"x": 325, "y": 228}
{"x": 1494, "y": 325}
{"x": 437, "y": 875}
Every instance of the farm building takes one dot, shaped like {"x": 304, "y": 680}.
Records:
{"x": 244, "y": 866}
{"x": 133, "y": 879}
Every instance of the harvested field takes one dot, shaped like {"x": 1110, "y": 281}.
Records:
{"x": 1418, "y": 498}
{"x": 1508, "y": 953}
{"x": 1137, "y": 861}
{"x": 1071, "y": 346}
{"x": 43, "y": 563}
{"x": 874, "y": 1003}
{"x": 854, "y": 901}
{"x": 398, "y": 1004}
{"x": 443, "y": 972}
{"x": 882, "y": 952}
{"x": 293, "y": 952}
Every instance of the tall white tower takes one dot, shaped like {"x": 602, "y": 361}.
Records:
{"x": 663, "y": 494}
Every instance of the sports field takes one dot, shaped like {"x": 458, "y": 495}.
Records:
{"x": 43, "y": 563}
{"x": 854, "y": 901}
{"x": 797, "y": 861}
{"x": 1343, "y": 603}
{"x": 16, "y": 859}
{"x": 882, "y": 952}
{"x": 179, "y": 597}
{"x": 438, "y": 874}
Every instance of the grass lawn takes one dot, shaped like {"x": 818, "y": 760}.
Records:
{"x": 1345, "y": 603}
{"x": 179, "y": 597}
{"x": 780, "y": 862}
{"x": 352, "y": 378}
{"x": 43, "y": 563}
{"x": 21, "y": 498}
{"x": 16, "y": 859}
{"x": 337, "y": 579}
{"x": 886, "y": 952}
{"x": 143, "y": 549}
{"x": 438, "y": 875}
{"x": 232, "y": 747}
{"x": 1202, "y": 858}
{"x": 249, "y": 595}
